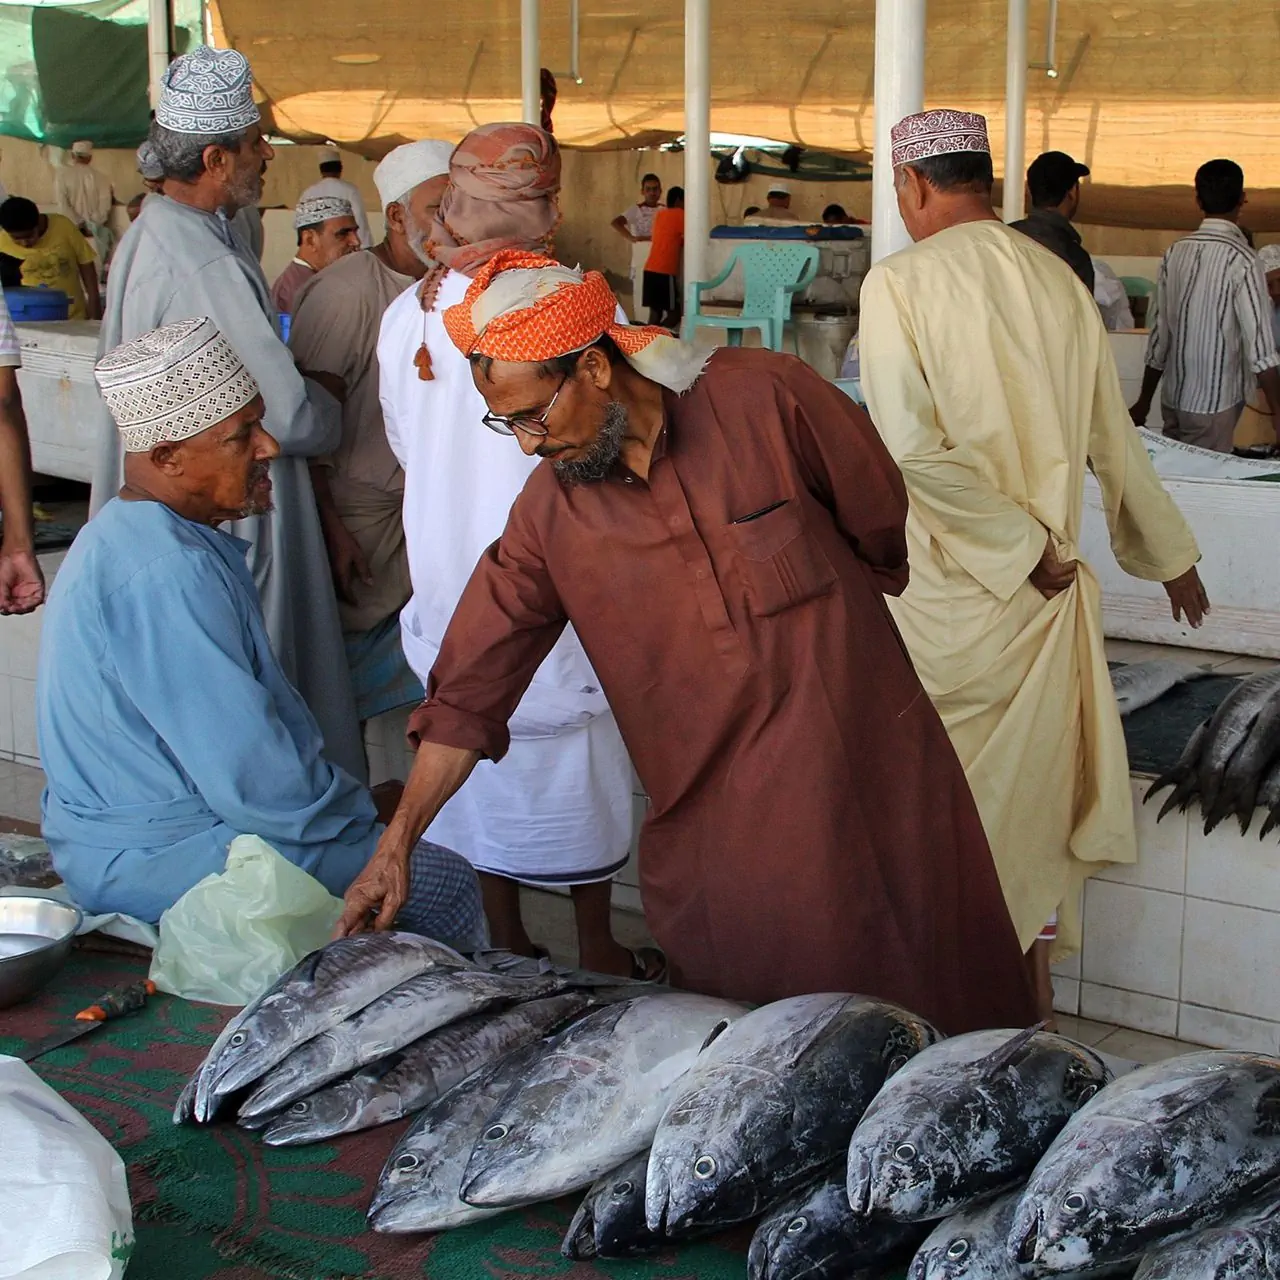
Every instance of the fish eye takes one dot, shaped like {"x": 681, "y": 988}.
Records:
{"x": 958, "y": 1249}
{"x": 704, "y": 1167}
{"x": 238, "y": 1039}
{"x": 797, "y": 1225}
{"x": 1088, "y": 1092}
{"x": 407, "y": 1162}
{"x": 904, "y": 1151}
{"x": 496, "y": 1133}
{"x": 623, "y": 1188}
{"x": 1076, "y": 1202}
{"x": 897, "y": 1062}
{"x": 300, "y": 1108}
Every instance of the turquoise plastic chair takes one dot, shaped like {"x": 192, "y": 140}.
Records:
{"x": 1141, "y": 287}
{"x": 772, "y": 275}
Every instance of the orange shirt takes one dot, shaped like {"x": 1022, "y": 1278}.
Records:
{"x": 668, "y": 243}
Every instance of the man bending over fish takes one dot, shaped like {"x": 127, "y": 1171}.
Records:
{"x": 720, "y": 533}
{"x": 166, "y": 725}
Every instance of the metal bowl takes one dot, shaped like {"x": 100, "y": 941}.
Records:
{"x": 35, "y": 939}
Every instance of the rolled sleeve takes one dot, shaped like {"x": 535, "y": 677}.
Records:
{"x": 1253, "y": 313}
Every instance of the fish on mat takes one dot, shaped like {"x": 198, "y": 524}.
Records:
{"x": 609, "y": 1223}
{"x": 320, "y": 991}
{"x": 1139, "y": 684}
{"x": 418, "y": 1074}
{"x": 593, "y": 1100}
{"x": 1245, "y": 1246}
{"x": 974, "y": 1245}
{"x": 418, "y": 1187}
{"x": 1154, "y": 1156}
{"x": 815, "y": 1235}
{"x": 966, "y": 1119}
{"x": 772, "y": 1102}
{"x": 406, "y": 1012}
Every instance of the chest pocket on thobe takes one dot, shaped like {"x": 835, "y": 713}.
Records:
{"x": 782, "y": 565}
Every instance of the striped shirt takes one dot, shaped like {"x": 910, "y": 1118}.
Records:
{"x": 1213, "y": 324}
{"x": 10, "y": 352}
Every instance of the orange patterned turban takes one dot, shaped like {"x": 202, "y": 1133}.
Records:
{"x": 523, "y": 306}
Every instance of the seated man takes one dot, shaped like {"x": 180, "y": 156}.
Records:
{"x": 166, "y": 725}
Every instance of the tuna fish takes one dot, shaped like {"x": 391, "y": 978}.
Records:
{"x": 1248, "y": 767}
{"x": 1229, "y": 726}
{"x": 320, "y": 991}
{"x": 1138, "y": 684}
{"x": 1152, "y": 1157}
{"x": 814, "y": 1235}
{"x": 418, "y": 1187}
{"x": 974, "y": 1245}
{"x": 417, "y": 1075}
{"x": 593, "y": 1100}
{"x": 1184, "y": 777}
{"x": 966, "y": 1119}
{"x": 1269, "y": 799}
{"x": 610, "y": 1222}
{"x": 1245, "y": 1247}
{"x": 413, "y": 1009}
{"x": 771, "y": 1103}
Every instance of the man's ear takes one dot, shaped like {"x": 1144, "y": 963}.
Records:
{"x": 393, "y": 214}
{"x": 598, "y": 367}
{"x": 167, "y": 457}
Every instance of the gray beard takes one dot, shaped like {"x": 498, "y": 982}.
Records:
{"x": 245, "y": 193}
{"x": 416, "y": 237}
{"x": 594, "y": 465}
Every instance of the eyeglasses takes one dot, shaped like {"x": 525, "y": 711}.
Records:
{"x": 530, "y": 424}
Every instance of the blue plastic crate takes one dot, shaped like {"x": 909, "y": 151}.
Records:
{"x": 28, "y": 305}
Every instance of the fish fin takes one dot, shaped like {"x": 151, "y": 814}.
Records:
{"x": 1193, "y": 1095}
{"x": 1273, "y": 820}
{"x": 714, "y": 1034}
{"x": 1009, "y": 1052}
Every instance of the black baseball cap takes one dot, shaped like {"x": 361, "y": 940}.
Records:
{"x": 1052, "y": 175}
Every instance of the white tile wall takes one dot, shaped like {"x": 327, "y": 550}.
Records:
{"x": 23, "y": 696}
{"x": 6, "y": 719}
{"x": 1227, "y": 1030}
{"x": 1225, "y": 866}
{"x": 1129, "y": 1009}
{"x": 1162, "y": 862}
{"x": 1066, "y": 995}
{"x": 1132, "y": 939}
{"x": 1229, "y": 959}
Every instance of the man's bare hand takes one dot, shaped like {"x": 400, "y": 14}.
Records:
{"x": 1052, "y": 576}
{"x": 21, "y": 582}
{"x": 1187, "y": 598}
{"x": 347, "y": 561}
{"x": 379, "y": 891}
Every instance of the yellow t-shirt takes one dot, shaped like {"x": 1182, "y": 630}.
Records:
{"x": 54, "y": 260}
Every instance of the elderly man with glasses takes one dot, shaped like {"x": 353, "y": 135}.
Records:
{"x": 721, "y": 531}
{"x": 558, "y": 810}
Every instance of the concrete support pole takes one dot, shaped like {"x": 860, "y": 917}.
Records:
{"x": 530, "y": 63}
{"x": 697, "y": 144}
{"x": 899, "y": 92}
{"x": 1015, "y": 113}
{"x": 159, "y": 45}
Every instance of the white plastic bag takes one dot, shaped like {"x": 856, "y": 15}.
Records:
{"x": 64, "y": 1201}
{"x": 229, "y": 937}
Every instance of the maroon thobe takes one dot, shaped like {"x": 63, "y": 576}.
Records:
{"x": 809, "y": 826}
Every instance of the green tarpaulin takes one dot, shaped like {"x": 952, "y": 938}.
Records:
{"x": 70, "y": 71}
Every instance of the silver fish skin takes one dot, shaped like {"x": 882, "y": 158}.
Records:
{"x": 418, "y": 1187}
{"x": 1184, "y": 777}
{"x": 413, "y": 1009}
{"x": 320, "y": 991}
{"x": 1229, "y": 726}
{"x": 966, "y": 1119}
{"x": 973, "y": 1245}
{"x": 771, "y": 1102}
{"x": 609, "y": 1223}
{"x": 814, "y": 1235}
{"x": 1139, "y": 684}
{"x": 1153, "y": 1157}
{"x": 1244, "y": 1247}
{"x": 418, "y": 1074}
{"x": 593, "y": 1100}
{"x": 1269, "y": 799}
{"x": 196, "y": 1101}
{"x": 1248, "y": 767}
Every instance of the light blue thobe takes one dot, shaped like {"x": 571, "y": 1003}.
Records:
{"x": 178, "y": 263}
{"x": 167, "y": 726}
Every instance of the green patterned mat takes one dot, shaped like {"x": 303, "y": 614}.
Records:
{"x": 216, "y": 1204}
